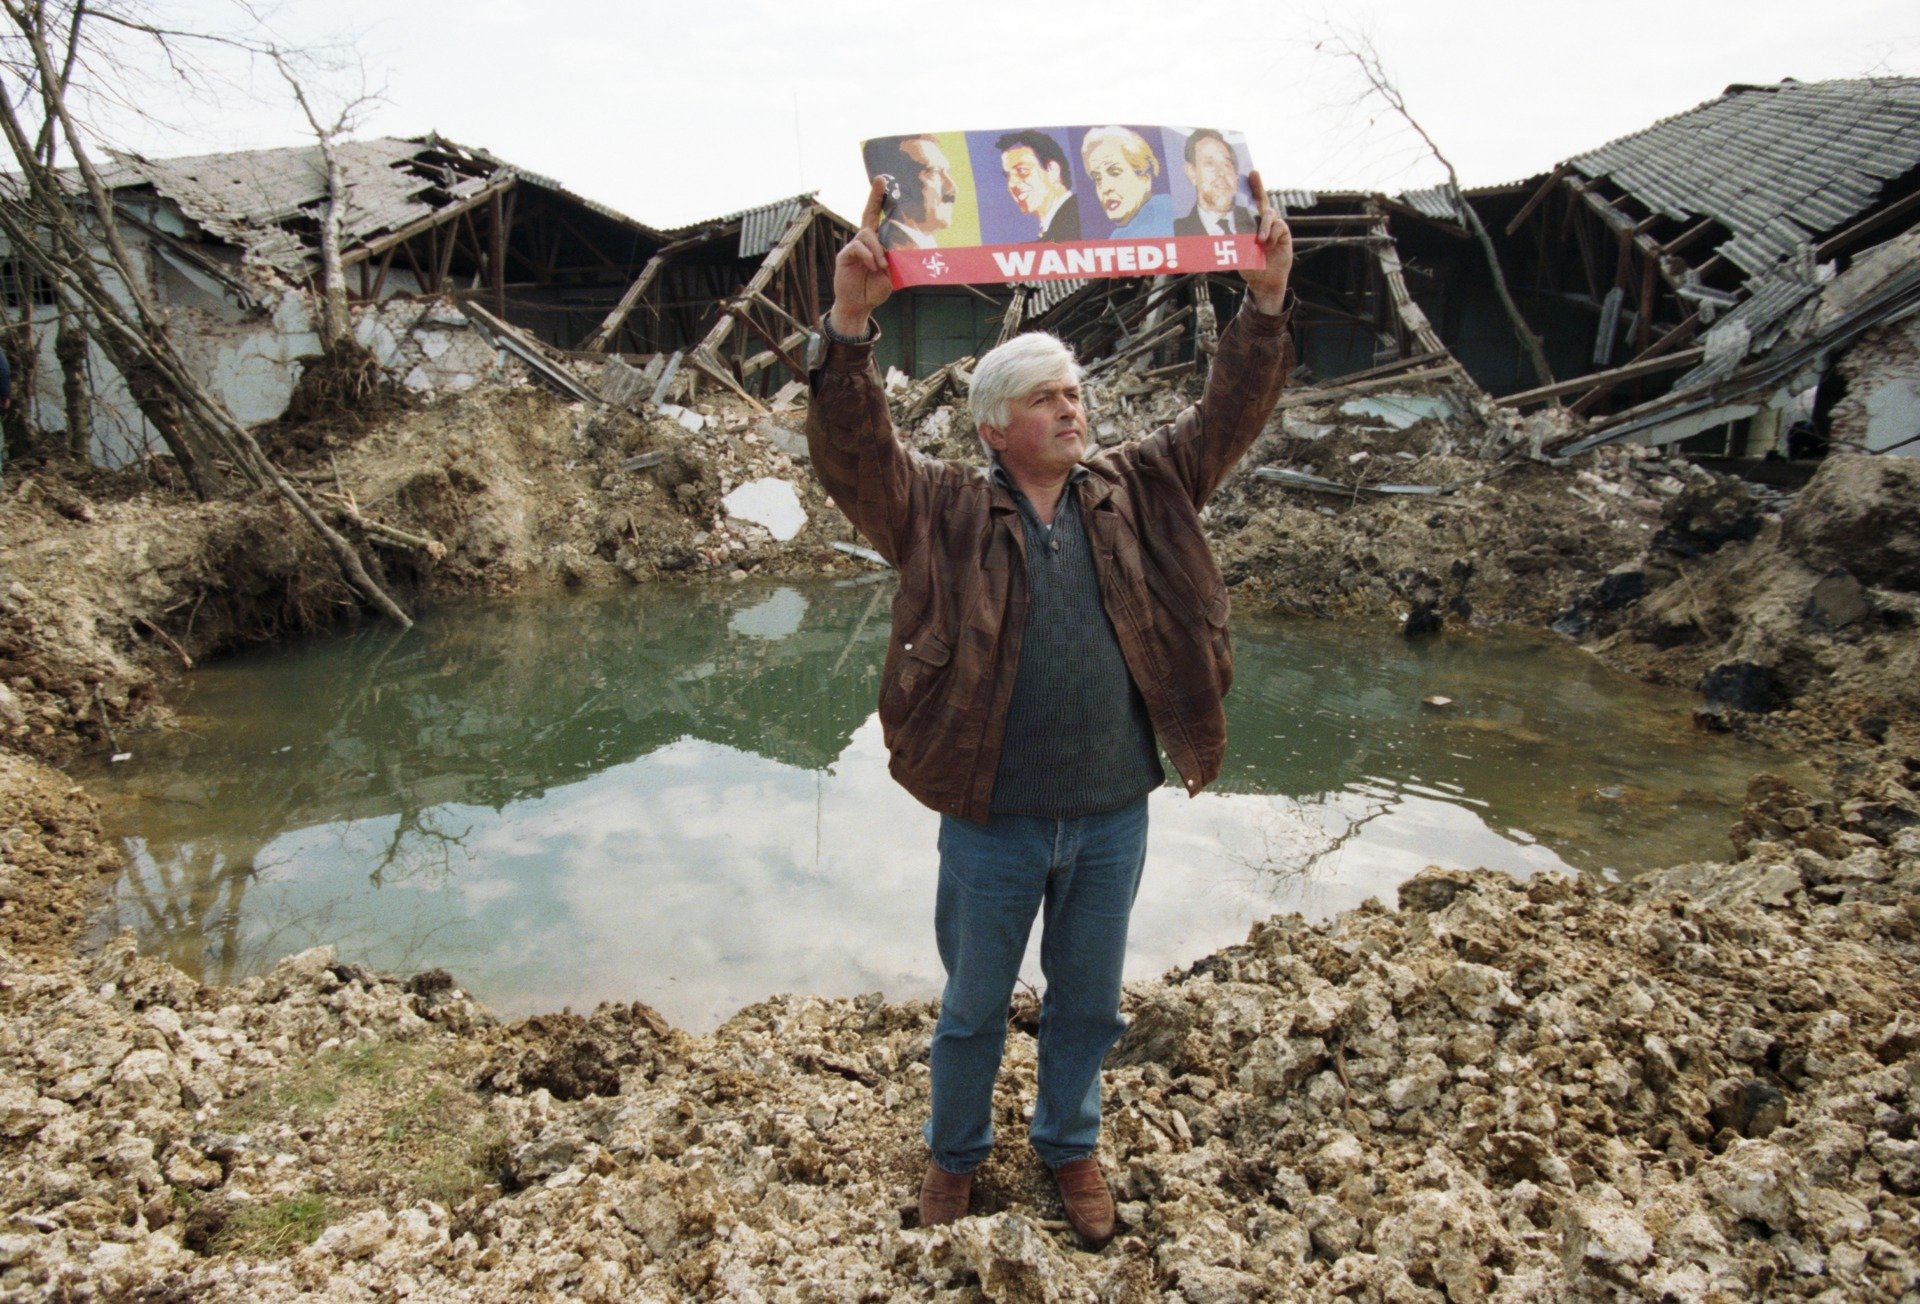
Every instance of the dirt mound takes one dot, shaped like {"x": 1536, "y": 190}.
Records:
{"x": 1799, "y": 622}
{"x": 53, "y": 860}
{"x": 1862, "y": 514}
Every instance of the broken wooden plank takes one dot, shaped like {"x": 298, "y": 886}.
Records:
{"x": 715, "y": 370}
{"x": 603, "y": 334}
{"x": 761, "y": 278}
{"x": 530, "y": 351}
{"x": 1394, "y": 368}
{"x": 1538, "y": 198}
{"x": 1631, "y": 371}
{"x": 1320, "y": 484}
{"x": 641, "y": 461}
{"x": 1408, "y": 312}
{"x": 1308, "y": 397}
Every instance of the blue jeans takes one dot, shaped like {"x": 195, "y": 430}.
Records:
{"x": 994, "y": 878}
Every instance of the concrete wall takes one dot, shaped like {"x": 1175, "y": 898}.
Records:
{"x": 1882, "y": 403}
{"x": 251, "y": 355}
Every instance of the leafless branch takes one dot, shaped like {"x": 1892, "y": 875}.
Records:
{"x": 1358, "y": 48}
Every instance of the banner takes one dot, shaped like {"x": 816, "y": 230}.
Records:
{"x": 1049, "y": 203}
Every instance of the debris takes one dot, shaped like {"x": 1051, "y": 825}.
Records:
{"x": 771, "y": 503}
{"x": 856, "y": 550}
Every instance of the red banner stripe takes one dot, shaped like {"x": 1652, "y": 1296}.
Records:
{"x": 1082, "y": 259}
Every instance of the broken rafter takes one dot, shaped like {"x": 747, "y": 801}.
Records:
{"x": 713, "y": 369}
{"x": 1538, "y": 198}
{"x": 1684, "y": 331}
{"x": 779, "y": 353}
{"x": 604, "y": 334}
{"x": 1310, "y": 397}
{"x": 1631, "y": 371}
{"x": 1409, "y": 313}
{"x": 530, "y": 351}
{"x": 422, "y": 225}
{"x": 1841, "y": 241}
{"x": 769, "y": 267}
{"x": 1396, "y": 367}
{"x": 1453, "y": 229}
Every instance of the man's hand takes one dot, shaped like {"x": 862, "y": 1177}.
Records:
{"x": 860, "y": 280}
{"x": 1268, "y": 286}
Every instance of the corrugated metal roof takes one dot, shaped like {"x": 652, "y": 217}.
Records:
{"x": 1779, "y": 166}
{"x": 1044, "y": 296}
{"x": 245, "y": 198}
{"x": 1435, "y": 202}
{"x": 1779, "y": 301}
{"x": 761, "y": 228}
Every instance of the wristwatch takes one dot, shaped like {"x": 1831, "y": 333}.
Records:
{"x": 817, "y": 341}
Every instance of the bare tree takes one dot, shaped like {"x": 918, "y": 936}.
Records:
{"x": 336, "y": 324}
{"x": 89, "y": 263}
{"x": 1359, "y": 48}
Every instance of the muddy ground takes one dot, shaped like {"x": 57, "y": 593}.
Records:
{"x": 1703, "y": 1086}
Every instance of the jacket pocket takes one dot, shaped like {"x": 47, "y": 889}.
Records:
{"x": 916, "y": 663}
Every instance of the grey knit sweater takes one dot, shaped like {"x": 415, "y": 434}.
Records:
{"x": 1078, "y": 738}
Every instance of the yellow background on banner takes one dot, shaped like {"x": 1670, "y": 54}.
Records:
{"x": 966, "y": 211}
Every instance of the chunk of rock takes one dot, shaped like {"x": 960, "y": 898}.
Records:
{"x": 1863, "y": 513}
{"x": 1758, "y": 1181}
{"x": 1602, "y": 1237}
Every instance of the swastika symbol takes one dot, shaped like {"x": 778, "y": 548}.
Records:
{"x": 936, "y": 266}
{"x": 1225, "y": 253}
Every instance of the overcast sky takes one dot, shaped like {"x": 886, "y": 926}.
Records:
{"x": 674, "y": 112}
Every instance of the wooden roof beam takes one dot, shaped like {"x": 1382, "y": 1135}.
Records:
{"x": 1538, "y": 198}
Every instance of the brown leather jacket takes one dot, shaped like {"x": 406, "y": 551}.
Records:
{"x": 955, "y": 537}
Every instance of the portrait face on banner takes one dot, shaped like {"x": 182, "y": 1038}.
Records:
{"x": 930, "y": 187}
{"x": 1036, "y": 200}
{"x": 1038, "y": 203}
{"x": 1209, "y": 183}
{"x": 1126, "y": 173}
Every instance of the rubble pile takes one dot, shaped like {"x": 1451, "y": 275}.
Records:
{"x": 1431, "y": 498}
{"x": 1701, "y": 1086}
{"x": 1798, "y": 619}
{"x": 1704, "y": 1087}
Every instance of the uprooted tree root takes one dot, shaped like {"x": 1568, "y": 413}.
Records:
{"x": 346, "y": 387}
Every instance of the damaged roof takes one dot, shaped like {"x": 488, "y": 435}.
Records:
{"x": 264, "y": 201}
{"x": 1778, "y": 165}
{"x": 760, "y": 228}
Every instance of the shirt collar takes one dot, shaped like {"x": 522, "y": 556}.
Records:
{"x": 1000, "y": 476}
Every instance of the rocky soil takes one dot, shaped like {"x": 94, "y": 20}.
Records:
{"x": 1703, "y": 1086}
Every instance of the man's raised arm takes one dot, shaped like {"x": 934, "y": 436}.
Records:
{"x": 850, "y": 436}
{"x": 1249, "y": 369}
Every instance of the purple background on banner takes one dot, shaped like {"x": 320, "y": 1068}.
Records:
{"x": 1094, "y": 222}
{"x": 1183, "y": 193}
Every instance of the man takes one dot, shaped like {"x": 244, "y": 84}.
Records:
{"x": 1215, "y": 176}
{"x": 1036, "y": 169}
{"x": 922, "y": 192}
{"x": 1057, "y": 612}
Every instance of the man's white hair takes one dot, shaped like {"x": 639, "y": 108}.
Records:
{"x": 1016, "y": 368}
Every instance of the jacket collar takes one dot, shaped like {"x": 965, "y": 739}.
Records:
{"x": 1092, "y": 489}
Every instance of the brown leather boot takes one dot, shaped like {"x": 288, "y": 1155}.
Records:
{"x": 943, "y": 1195}
{"x": 1083, "y": 1190}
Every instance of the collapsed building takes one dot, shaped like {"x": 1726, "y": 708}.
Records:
{"x": 456, "y": 261}
{"x": 1738, "y": 279}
